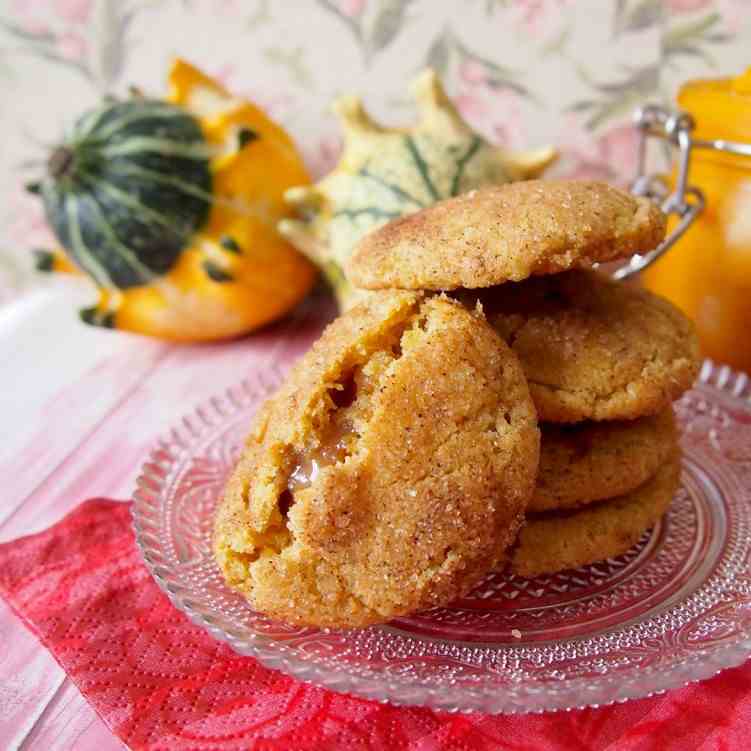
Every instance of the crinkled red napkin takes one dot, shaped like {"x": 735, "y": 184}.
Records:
{"x": 162, "y": 683}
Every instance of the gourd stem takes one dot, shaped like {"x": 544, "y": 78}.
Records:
{"x": 61, "y": 161}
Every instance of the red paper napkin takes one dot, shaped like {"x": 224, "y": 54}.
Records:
{"x": 160, "y": 682}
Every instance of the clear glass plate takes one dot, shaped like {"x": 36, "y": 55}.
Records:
{"x": 676, "y": 608}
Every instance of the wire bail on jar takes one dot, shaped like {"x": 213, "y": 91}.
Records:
{"x": 686, "y": 201}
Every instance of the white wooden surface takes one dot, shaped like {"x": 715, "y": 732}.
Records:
{"x": 81, "y": 408}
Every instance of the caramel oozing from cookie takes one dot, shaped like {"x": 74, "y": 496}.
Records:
{"x": 307, "y": 466}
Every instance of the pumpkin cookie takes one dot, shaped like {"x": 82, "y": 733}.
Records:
{"x": 561, "y": 540}
{"x": 592, "y": 348}
{"x": 507, "y": 233}
{"x": 592, "y": 461}
{"x": 389, "y": 473}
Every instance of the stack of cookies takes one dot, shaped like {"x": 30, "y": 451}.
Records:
{"x": 603, "y": 360}
{"x": 521, "y": 420}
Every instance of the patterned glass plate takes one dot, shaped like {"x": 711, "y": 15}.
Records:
{"x": 675, "y": 608}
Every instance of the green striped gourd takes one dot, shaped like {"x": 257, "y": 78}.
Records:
{"x": 385, "y": 173}
{"x": 128, "y": 189}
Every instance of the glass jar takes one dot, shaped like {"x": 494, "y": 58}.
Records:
{"x": 708, "y": 272}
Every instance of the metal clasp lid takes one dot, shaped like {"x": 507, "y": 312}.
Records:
{"x": 686, "y": 201}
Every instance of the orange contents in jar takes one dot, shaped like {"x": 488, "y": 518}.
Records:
{"x": 708, "y": 273}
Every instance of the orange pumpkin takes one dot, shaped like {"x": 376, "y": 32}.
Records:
{"x": 221, "y": 268}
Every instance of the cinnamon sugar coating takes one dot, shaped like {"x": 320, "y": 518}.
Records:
{"x": 389, "y": 473}
{"x": 557, "y": 541}
{"x": 591, "y": 461}
{"x": 593, "y": 348}
{"x": 507, "y": 233}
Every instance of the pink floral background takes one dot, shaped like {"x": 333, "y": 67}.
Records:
{"x": 523, "y": 72}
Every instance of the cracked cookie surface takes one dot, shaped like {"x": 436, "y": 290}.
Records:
{"x": 593, "y": 348}
{"x": 507, "y": 233}
{"x": 593, "y": 461}
{"x": 557, "y": 541}
{"x": 388, "y": 474}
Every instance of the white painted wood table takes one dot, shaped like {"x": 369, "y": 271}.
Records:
{"x": 80, "y": 410}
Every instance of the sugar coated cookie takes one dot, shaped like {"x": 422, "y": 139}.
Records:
{"x": 592, "y": 461}
{"x": 507, "y": 233}
{"x": 562, "y": 540}
{"x": 593, "y": 348}
{"x": 389, "y": 473}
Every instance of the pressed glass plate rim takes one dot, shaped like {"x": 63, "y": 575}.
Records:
{"x": 570, "y": 694}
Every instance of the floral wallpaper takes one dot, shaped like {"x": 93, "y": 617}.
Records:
{"x": 523, "y": 72}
